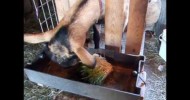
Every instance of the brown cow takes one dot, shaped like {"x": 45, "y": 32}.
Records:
{"x": 68, "y": 37}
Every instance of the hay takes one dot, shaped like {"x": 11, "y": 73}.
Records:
{"x": 99, "y": 73}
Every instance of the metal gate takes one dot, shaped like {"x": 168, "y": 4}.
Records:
{"x": 46, "y": 14}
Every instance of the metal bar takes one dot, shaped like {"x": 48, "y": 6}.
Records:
{"x": 41, "y": 25}
{"x": 37, "y": 15}
{"x": 44, "y": 15}
{"x": 44, "y": 3}
{"x": 50, "y": 13}
{"x": 35, "y": 8}
{"x": 142, "y": 44}
{"x": 55, "y": 12}
{"x": 48, "y": 18}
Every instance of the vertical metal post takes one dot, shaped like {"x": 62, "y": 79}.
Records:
{"x": 44, "y": 14}
{"x": 50, "y": 13}
{"x": 55, "y": 12}
{"x": 36, "y": 9}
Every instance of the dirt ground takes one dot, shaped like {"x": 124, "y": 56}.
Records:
{"x": 156, "y": 80}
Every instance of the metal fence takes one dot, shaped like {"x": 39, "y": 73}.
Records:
{"x": 46, "y": 14}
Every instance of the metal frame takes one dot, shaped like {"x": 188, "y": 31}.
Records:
{"x": 37, "y": 7}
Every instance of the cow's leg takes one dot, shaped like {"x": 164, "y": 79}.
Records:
{"x": 114, "y": 22}
{"x": 96, "y": 37}
{"x": 46, "y": 36}
{"x": 136, "y": 24}
{"x": 85, "y": 18}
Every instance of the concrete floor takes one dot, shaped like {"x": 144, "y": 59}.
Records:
{"x": 156, "y": 80}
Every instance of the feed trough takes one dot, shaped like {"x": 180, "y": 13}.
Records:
{"x": 119, "y": 85}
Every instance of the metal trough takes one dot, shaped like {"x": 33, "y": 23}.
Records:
{"x": 120, "y": 85}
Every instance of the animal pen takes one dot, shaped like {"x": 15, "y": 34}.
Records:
{"x": 121, "y": 83}
{"x": 46, "y": 14}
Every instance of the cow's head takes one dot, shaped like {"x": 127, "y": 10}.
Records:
{"x": 59, "y": 48}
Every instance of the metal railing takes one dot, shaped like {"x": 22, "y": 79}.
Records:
{"x": 46, "y": 14}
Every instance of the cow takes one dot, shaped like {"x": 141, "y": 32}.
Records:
{"x": 67, "y": 39}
